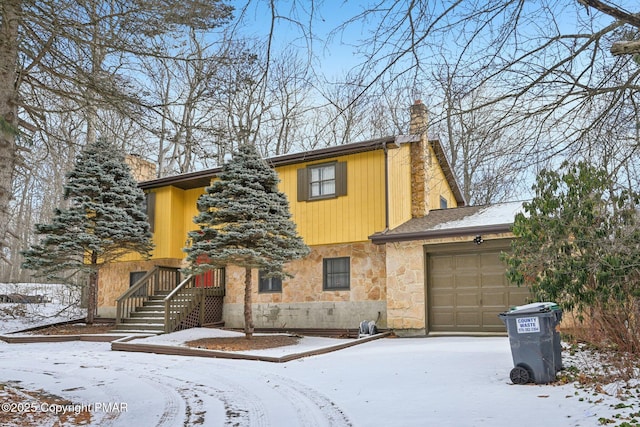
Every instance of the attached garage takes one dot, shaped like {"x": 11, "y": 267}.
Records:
{"x": 444, "y": 273}
{"x": 467, "y": 287}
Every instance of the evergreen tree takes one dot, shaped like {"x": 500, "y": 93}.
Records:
{"x": 245, "y": 221}
{"x": 105, "y": 220}
{"x": 577, "y": 245}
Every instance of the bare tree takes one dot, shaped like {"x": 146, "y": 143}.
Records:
{"x": 181, "y": 88}
{"x": 345, "y": 120}
{"x": 38, "y": 186}
{"x": 240, "y": 97}
{"x": 290, "y": 97}
{"x": 486, "y": 157}
{"x": 9, "y": 130}
{"x": 543, "y": 68}
{"x": 623, "y": 47}
{"x": 543, "y": 74}
{"x": 76, "y": 51}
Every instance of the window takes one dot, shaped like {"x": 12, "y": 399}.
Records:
{"x": 322, "y": 181}
{"x": 443, "y": 203}
{"x": 269, "y": 284}
{"x": 336, "y": 274}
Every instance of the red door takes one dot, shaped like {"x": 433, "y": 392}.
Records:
{"x": 206, "y": 279}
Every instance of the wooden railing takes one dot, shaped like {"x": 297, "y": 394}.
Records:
{"x": 158, "y": 279}
{"x": 188, "y": 295}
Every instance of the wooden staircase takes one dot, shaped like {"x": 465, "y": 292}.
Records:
{"x": 160, "y": 303}
{"x": 146, "y": 319}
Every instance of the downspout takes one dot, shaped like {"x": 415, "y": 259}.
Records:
{"x": 386, "y": 186}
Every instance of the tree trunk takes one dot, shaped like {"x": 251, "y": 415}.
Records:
{"x": 93, "y": 289}
{"x": 9, "y": 22}
{"x": 248, "y": 317}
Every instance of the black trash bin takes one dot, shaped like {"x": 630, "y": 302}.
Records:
{"x": 535, "y": 342}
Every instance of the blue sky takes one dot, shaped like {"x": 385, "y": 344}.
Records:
{"x": 336, "y": 56}
{"x": 340, "y": 54}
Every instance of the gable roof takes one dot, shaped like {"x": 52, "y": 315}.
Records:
{"x": 463, "y": 221}
{"x": 203, "y": 178}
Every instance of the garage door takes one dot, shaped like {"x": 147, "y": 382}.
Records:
{"x": 467, "y": 288}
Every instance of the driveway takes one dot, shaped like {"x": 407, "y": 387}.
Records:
{"x": 445, "y": 381}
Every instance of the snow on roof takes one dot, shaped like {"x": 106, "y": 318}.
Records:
{"x": 501, "y": 213}
{"x": 465, "y": 220}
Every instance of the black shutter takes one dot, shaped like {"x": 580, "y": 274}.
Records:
{"x": 303, "y": 185}
{"x": 341, "y": 179}
{"x": 151, "y": 210}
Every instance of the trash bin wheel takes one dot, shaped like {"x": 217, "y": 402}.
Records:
{"x": 520, "y": 375}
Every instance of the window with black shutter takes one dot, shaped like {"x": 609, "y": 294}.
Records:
{"x": 322, "y": 181}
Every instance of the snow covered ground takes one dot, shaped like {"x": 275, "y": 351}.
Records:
{"x": 60, "y": 304}
{"x": 437, "y": 381}
{"x": 448, "y": 381}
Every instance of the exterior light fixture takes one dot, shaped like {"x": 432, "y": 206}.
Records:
{"x": 478, "y": 240}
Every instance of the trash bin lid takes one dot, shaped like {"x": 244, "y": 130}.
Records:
{"x": 535, "y": 307}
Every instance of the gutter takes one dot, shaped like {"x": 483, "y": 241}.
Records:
{"x": 384, "y": 237}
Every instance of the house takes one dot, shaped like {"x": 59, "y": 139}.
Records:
{"x": 391, "y": 241}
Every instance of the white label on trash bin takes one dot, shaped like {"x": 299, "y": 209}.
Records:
{"x": 528, "y": 325}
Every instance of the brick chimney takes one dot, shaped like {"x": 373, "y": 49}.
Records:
{"x": 419, "y": 118}
{"x": 141, "y": 169}
{"x": 420, "y": 160}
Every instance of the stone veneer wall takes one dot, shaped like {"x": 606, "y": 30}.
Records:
{"x": 419, "y": 178}
{"x": 302, "y": 302}
{"x": 113, "y": 281}
{"x": 406, "y": 295}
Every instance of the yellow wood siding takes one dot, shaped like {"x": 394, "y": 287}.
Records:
{"x": 175, "y": 209}
{"x": 350, "y": 218}
{"x": 170, "y": 233}
{"x": 437, "y": 185}
{"x": 190, "y": 210}
{"x": 345, "y": 219}
{"x": 399, "y": 185}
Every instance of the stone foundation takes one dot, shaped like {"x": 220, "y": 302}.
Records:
{"x": 341, "y": 315}
{"x": 304, "y": 304}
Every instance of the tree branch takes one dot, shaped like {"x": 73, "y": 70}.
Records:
{"x": 629, "y": 18}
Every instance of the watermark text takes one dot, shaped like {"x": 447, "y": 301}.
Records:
{"x": 58, "y": 408}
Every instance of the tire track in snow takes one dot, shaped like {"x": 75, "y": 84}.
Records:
{"x": 313, "y": 409}
{"x": 87, "y": 380}
{"x": 242, "y": 407}
{"x": 309, "y": 406}
{"x": 236, "y": 395}
{"x": 171, "y": 413}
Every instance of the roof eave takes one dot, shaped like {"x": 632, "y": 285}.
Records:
{"x": 202, "y": 178}
{"x": 328, "y": 152}
{"x": 382, "y": 238}
{"x": 184, "y": 181}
